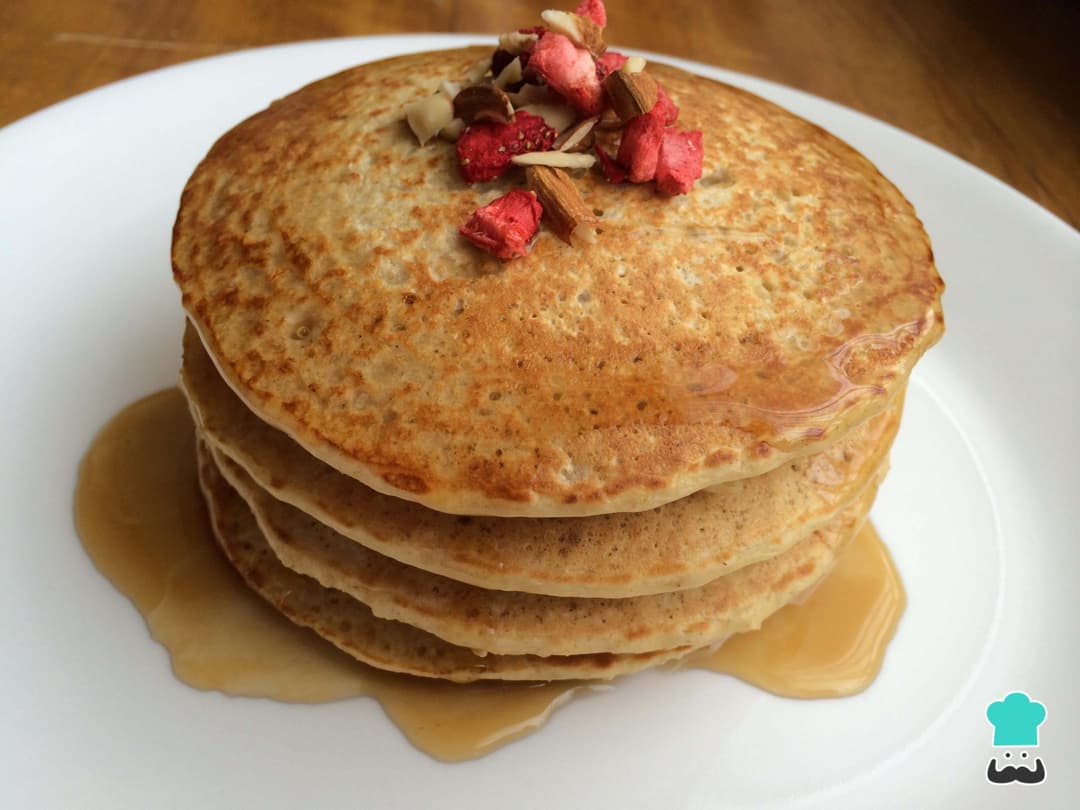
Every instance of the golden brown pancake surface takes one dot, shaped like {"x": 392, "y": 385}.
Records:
{"x": 702, "y": 339}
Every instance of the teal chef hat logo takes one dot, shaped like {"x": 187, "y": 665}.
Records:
{"x": 1016, "y": 720}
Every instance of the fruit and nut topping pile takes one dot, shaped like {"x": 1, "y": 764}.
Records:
{"x": 538, "y": 103}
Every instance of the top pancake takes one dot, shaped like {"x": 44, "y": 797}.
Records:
{"x": 702, "y": 339}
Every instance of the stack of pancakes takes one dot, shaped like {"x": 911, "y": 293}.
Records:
{"x": 577, "y": 464}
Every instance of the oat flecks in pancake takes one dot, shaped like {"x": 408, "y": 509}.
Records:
{"x": 703, "y": 338}
{"x": 679, "y": 545}
{"x": 509, "y": 623}
{"x": 352, "y": 627}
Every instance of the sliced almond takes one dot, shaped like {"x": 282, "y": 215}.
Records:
{"x": 631, "y": 94}
{"x": 556, "y": 116}
{"x": 533, "y": 94}
{"x": 511, "y": 74}
{"x": 516, "y": 42}
{"x": 577, "y": 138}
{"x": 564, "y": 209}
{"x": 561, "y": 160}
{"x": 453, "y": 130}
{"x": 450, "y": 89}
{"x": 478, "y": 70}
{"x": 426, "y": 116}
{"x": 580, "y": 30}
{"x": 563, "y": 22}
{"x": 482, "y": 102}
{"x": 635, "y": 64}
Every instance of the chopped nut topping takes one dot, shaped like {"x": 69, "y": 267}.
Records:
{"x": 631, "y": 94}
{"x": 572, "y": 97}
{"x": 533, "y": 94}
{"x": 426, "y": 116}
{"x": 563, "y": 160}
{"x": 516, "y": 42}
{"x": 564, "y": 208}
{"x": 453, "y": 130}
{"x": 511, "y": 74}
{"x": 482, "y": 102}
{"x": 478, "y": 70}
{"x": 577, "y": 139}
{"x": 580, "y": 30}
{"x": 556, "y": 116}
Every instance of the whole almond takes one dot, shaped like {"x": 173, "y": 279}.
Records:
{"x": 564, "y": 209}
{"x": 577, "y": 139}
{"x": 631, "y": 94}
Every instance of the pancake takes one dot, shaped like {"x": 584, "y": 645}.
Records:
{"x": 509, "y": 623}
{"x": 702, "y": 339}
{"x": 352, "y": 627}
{"x": 679, "y": 545}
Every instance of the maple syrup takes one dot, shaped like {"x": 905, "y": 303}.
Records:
{"x": 143, "y": 522}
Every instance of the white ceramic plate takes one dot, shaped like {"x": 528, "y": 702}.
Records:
{"x": 979, "y": 511}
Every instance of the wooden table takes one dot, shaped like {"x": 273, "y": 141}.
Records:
{"x": 973, "y": 76}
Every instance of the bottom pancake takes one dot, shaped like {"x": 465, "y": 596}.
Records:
{"x": 352, "y": 627}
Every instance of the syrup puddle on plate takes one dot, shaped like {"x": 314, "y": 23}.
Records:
{"x": 141, "y": 518}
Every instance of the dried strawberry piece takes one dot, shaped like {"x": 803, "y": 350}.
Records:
{"x": 594, "y": 10}
{"x": 640, "y": 146}
{"x": 613, "y": 172}
{"x": 665, "y": 107}
{"x": 568, "y": 70}
{"x": 608, "y": 63}
{"x": 484, "y": 149}
{"x": 504, "y": 226}
{"x": 678, "y": 164}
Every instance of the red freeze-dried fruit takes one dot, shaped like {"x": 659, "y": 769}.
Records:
{"x": 608, "y": 63}
{"x": 678, "y": 164}
{"x": 568, "y": 70}
{"x": 640, "y": 146}
{"x": 665, "y": 107}
{"x": 504, "y": 226}
{"x": 484, "y": 149}
{"x": 613, "y": 172}
{"x": 594, "y": 10}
